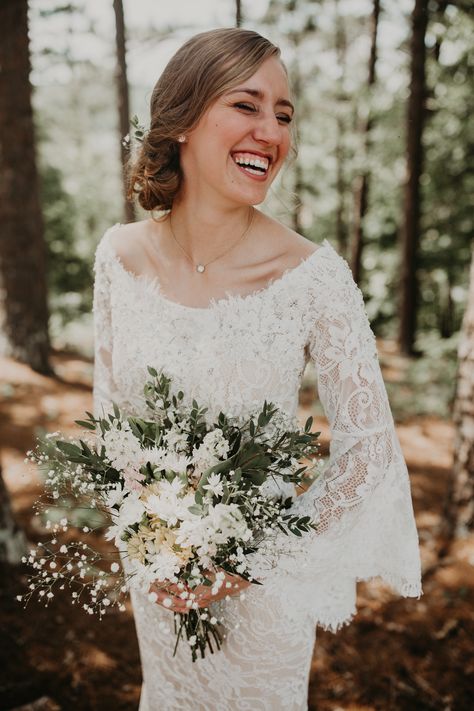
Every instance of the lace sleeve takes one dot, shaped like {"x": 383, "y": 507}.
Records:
{"x": 103, "y": 387}
{"x": 361, "y": 502}
{"x": 351, "y": 389}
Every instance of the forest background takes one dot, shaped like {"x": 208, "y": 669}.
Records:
{"x": 384, "y": 93}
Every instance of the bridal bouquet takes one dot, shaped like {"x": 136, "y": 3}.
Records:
{"x": 184, "y": 502}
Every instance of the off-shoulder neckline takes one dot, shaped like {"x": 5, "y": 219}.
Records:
{"x": 154, "y": 284}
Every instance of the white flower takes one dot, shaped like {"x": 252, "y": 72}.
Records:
{"x": 194, "y": 532}
{"x": 166, "y": 501}
{"x": 176, "y": 440}
{"x": 165, "y": 565}
{"x": 155, "y": 456}
{"x": 176, "y": 462}
{"x": 114, "y": 496}
{"x": 122, "y": 447}
{"x": 213, "y": 448}
{"x": 113, "y": 533}
{"x": 227, "y": 521}
{"x": 214, "y": 485}
{"x": 216, "y": 440}
{"x": 130, "y": 512}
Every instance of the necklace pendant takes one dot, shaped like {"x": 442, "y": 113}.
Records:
{"x": 200, "y": 268}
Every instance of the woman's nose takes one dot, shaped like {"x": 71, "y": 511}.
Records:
{"x": 269, "y": 130}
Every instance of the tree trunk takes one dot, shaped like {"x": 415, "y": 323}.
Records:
{"x": 12, "y": 539}
{"x": 123, "y": 101}
{"x": 362, "y": 186}
{"x": 459, "y": 510}
{"x": 446, "y": 307}
{"x": 412, "y": 207}
{"x": 23, "y": 291}
{"x": 341, "y": 50}
{"x": 238, "y": 13}
{"x": 298, "y": 179}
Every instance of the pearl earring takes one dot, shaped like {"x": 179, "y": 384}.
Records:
{"x": 182, "y": 139}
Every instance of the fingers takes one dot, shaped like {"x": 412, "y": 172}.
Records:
{"x": 167, "y": 595}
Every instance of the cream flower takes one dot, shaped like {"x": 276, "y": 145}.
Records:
{"x": 136, "y": 548}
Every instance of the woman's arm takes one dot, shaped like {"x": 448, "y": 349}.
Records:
{"x": 364, "y": 446}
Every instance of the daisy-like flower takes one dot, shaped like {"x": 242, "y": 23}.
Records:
{"x": 131, "y": 511}
{"x": 214, "y": 485}
{"x": 165, "y": 565}
{"x": 176, "y": 462}
{"x": 176, "y": 440}
{"x": 114, "y": 496}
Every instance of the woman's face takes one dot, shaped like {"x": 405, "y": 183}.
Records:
{"x": 241, "y": 142}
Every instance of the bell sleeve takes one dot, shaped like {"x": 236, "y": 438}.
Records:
{"x": 360, "y": 501}
{"x": 362, "y": 498}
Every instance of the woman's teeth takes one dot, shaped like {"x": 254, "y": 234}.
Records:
{"x": 254, "y": 165}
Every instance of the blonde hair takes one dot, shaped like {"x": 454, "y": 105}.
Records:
{"x": 205, "y": 67}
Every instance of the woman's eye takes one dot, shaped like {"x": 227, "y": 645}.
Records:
{"x": 245, "y": 106}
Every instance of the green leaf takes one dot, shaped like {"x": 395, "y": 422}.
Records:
{"x": 237, "y": 475}
{"x": 86, "y": 424}
{"x": 257, "y": 476}
{"x": 68, "y": 448}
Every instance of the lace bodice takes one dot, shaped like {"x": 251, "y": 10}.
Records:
{"x": 242, "y": 350}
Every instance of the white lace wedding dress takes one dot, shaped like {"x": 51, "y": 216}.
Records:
{"x": 231, "y": 356}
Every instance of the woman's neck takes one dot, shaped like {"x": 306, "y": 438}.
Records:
{"x": 205, "y": 231}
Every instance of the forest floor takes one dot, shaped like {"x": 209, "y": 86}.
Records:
{"x": 397, "y": 654}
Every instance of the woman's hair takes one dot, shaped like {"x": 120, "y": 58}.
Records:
{"x": 205, "y": 67}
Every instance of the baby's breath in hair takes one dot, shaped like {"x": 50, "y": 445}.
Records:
{"x": 139, "y": 132}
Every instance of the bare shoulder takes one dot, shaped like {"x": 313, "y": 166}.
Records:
{"x": 129, "y": 243}
{"x": 290, "y": 246}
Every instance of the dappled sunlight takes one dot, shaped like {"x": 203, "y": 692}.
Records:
{"x": 402, "y": 642}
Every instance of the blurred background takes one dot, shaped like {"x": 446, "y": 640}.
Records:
{"x": 384, "y": 101}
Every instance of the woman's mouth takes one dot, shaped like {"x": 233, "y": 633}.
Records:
{"x": 252, "y": 165}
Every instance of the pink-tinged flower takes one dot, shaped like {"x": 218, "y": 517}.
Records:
{"x": 132, "y": 479}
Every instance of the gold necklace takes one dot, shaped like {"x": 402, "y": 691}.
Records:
{"x": 200, "y": 268}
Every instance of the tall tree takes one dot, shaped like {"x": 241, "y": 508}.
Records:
{"x": 459, "y": 512}
{"x": 23, "y": 300}
{"x": 238, "y": 13}
{"x": 123, "y": 100}
{"x": 412, "y": 206}
{"x": 12, "y": 538}
{"x": 362, "y": 186}
{"x": 341, "y": 52}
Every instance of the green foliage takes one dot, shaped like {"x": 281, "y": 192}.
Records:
{"x": 428, "y": 384}
{"x": 69, "y": 273}
{"x": 325, "y": 46}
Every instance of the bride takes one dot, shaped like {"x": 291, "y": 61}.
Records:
{"x": 232, "y": 305}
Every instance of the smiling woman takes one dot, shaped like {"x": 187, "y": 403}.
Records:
{"x": 232, "y": 305}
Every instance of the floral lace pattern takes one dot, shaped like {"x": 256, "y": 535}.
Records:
{"x": 231, "y": 356}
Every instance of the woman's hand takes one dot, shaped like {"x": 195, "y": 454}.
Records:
{"x": 202, "y": 594}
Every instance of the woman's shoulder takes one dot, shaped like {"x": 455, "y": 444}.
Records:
{"x": 328, "y": 274}
{"x": 124, "y": 243}
{"x": 291, "y": 247}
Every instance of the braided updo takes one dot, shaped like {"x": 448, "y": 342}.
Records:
{"x": 205, "y": 67}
